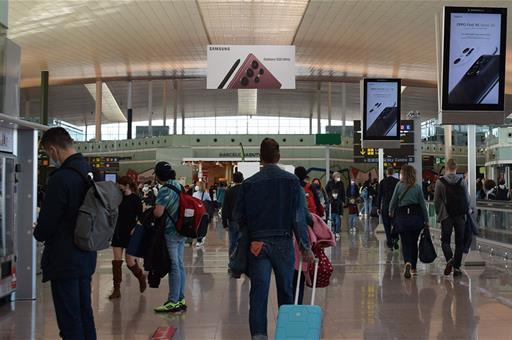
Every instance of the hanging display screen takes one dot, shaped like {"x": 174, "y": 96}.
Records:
{"x": 381, "y": 109}
{"x": 474, "y": 46}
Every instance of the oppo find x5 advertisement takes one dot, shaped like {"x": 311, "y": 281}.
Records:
{"x": 381, "y": 109}
{"x": 250, "y": 67}
{"x": 474, "y": 58}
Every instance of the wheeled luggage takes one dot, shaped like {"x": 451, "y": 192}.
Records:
{"x": 295, "y": 321}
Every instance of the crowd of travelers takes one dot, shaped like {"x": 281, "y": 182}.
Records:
{"x": 276, "y": 221}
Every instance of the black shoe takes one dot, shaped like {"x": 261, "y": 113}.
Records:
{"x": 407, "y": 272}
{"x": 449, "y": 267}
{"x": 396, "y": 245}
{"x": 457, "y": 272}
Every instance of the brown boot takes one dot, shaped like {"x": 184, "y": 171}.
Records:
{"x": 117, "y": 274}
{"x": 139, "y": 274}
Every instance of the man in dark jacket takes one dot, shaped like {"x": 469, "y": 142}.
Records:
{"x": 336, "y": 184}
{"x": 270, "y": 204}
{"x": 68, "y": 268}
{"x": 228, "y": 206}
{"x": 386, "y": 189}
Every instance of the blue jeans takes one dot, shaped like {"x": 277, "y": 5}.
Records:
{"x": 175, "y": 246}
{"x": 336, "y": 223}
{"x": 73, "y": 308}
{"x": 278, "y": 254}
{"x": 233, "y": 236}
{"x": 352, "y": 220}
{"x": 367, "y": 205}
{"x": 409, "y": 228}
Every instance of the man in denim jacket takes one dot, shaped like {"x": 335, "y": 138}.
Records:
{"x": 270, "y": 204}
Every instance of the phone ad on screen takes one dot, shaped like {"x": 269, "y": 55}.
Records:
{"x": 250, "y": 67}
{"x": 474, "y": 60}
{"x": 382, "y": 113}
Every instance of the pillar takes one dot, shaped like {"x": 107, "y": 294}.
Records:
{"x": 380, "y": 227}
{"x": 99, "y": 102}
{"x": 45, "y": 75}
{"x": 130, "y": 109}
{"x": 164, "y": 102}
{"x": 448, "y": 145}
{"x": 343, "y": 108}
{"x": 26, "y": 264}
{"x": 150, "y": 108}
{"x": 381, "y": 164}
{"x": 418, "y": 162}
{"x": 175, "y": 105}
{"x": 319, "y": 108}
{"x": 327, "y": 165}
{"x": 329, "y": 103}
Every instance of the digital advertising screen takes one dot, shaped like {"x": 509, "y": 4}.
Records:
{"x": 474, "y": 46}
{"x": 111, "y": 178}
{"x": 381, "y": 109}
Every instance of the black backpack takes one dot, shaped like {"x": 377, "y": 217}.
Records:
{"x": 456, "y": 203}
{"x": 501, "y": 194}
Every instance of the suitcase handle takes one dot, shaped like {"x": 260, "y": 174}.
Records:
{"x": 315, "y": 277}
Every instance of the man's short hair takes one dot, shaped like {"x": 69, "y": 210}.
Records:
{"x": 58, "y": 137}
{"x": 390, "y": 171}
{"x": 451, "y": 165}
{"x": 269, "y": 151}
{"x": 238, "y": 177}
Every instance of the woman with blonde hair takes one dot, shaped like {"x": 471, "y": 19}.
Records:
{"x": 409, "y": 213}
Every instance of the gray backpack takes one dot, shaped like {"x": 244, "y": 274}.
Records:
{"x": 97, "y": 217}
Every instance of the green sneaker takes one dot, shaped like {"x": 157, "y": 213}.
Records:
{"x": 169, "y": 307}
{"x": 182, "y": 304}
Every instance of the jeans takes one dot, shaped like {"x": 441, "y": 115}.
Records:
{"x": 233, "y": 236}
{"x": 73, "y": 308}
{"x": 336, "y": 223}
{"x": 352, "y": 220}
{"x": 276, "y": 254}
{"x": 447, "y": 226}
{"x": 410, "y": 228}
{"x": 367, "y": 205}
{"x": 175, "y": 246}
{"x": 386, "y": 220}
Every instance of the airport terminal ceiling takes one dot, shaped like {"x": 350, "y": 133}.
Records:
{"x": 339, "y": 41}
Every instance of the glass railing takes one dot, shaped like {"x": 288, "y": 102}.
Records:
{"x": 493, "y": 218}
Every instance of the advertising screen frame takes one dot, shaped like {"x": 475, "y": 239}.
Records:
{"x": 380, "y": 141}
{"x": 445, "y": 62}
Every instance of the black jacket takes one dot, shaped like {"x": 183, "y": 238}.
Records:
{"x": 62, "y": 259}
{"x": 228, "y": 205}
{"x": 386, "y": 189}
{"x": 156, "y": 261}
{"x": 333, "y": 185}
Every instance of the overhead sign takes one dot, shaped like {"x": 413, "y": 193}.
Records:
{"x": 474, "y": 54}
{"x": 250, "y": 67}
{"x": 381, "y": 109}
{"x": 394, "y": 157}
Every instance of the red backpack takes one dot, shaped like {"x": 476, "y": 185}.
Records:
{"x": 310, "y": 199}
{"x": 325, "y": 268}
{"x": 193, "y": 218}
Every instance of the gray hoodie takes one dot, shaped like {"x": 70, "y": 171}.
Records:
{"x": 440, "y": 196}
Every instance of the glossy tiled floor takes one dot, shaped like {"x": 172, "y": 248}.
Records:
{"x": 367, "y": 299}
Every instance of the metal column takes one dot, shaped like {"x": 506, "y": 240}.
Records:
{"x": 319, "y": 108}
{"x": 150, "y": 108}
{"x": 329, "y": 103}
{"x": 44, "y": 97}
{"x": 130, "y": 109}
{"x": 418, "y": 161}
{"x": 343, "y": 108}
{"x": 380, "y": 227}
{"x": 448, "y": 145}
{"x": 175, "y": 105}
{"x": 327, "y": 164}
{"x": 26, "y": 287}
{"x": 164, "y": 102}
{"x": 99, "y": 102}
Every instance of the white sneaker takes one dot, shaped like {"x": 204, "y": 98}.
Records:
{"x": 200, "y": 244}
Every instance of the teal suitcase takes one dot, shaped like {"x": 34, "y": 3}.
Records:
{"x": 300, "y": 322}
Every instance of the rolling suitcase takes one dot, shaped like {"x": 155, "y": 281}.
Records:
{"x": 303, "y": 322}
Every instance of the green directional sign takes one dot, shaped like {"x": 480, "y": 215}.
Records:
{"x": 328, "y": 139}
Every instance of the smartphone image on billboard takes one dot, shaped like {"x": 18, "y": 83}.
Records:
{"x": 253, "y": 75}
{"x": 229, "y": 74}
{"x": 478, "y": 81}
{"x": 384, "y": 123}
